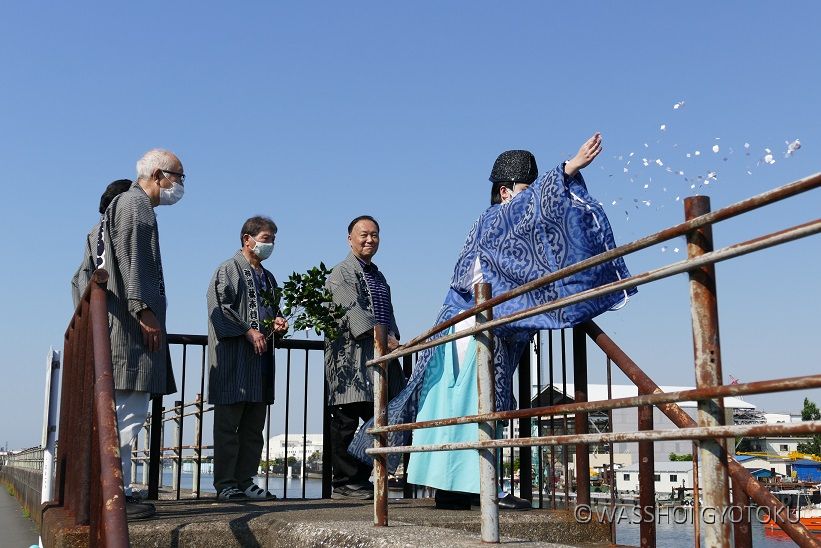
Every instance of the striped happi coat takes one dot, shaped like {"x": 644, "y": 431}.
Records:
{"x": 132, "y": 259}
{"x": 349, "y": 380}
{"x": 237, "y": 373}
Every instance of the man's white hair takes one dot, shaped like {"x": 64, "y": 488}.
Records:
{"x": 154, "y": 159}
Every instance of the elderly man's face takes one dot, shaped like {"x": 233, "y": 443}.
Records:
{"x": 174, "y": 174}
{"x": 364, "y": 239}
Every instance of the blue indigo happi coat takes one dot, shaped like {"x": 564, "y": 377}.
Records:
{"x": 552, "y": 224}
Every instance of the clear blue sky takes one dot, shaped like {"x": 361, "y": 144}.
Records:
{"x": 317, "y": 112}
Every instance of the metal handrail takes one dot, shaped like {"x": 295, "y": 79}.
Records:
{"x": 89, "y": 487}
{"x": 176, "y": 414}
{"x": 740, "y": 389}
{"x": 757, "y": 244}
{"x": 744, "y": 206}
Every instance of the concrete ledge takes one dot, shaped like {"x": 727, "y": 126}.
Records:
{"x": 207, "y": 523}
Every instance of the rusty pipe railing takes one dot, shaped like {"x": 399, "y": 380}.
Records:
{"x": 741, "y": 477}
{"x": 707, "y": 354}
{"x": 655, "y": 399}
{"x": 89, "y": 485}
{"x": 744, "y": 206}
{"x": 743, "y": 248}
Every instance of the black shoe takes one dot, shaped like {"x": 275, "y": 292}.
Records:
{"x": 511, "y": 502}
{"x": 136, "y": 509}
{"x": 352, "y": 492}
{"x": 452, "y": 500}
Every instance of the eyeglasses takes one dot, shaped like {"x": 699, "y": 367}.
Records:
{"x": 180, "y": 175}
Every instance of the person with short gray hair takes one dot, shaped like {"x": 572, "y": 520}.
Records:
{"x": 129, "y": 249}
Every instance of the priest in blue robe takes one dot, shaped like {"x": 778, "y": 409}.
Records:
{"x": 534, "y": 226}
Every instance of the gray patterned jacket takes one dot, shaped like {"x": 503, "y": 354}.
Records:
{"x": 237, "y": 373}
{"x": 349, "y": 381}
{"x": 133, "y": 261}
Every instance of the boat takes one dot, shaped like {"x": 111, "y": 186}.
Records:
{"x": 802, "y": 507}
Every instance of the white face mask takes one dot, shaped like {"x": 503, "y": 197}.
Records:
{"x": 170, "y": 196}
{"x": 262, "y": 250}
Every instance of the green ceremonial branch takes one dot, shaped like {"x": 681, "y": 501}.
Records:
{"x": 308, "y": 304}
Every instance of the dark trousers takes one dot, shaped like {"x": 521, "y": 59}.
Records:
{"x": 238, "y": 443}
{"x": 347, "y": 470}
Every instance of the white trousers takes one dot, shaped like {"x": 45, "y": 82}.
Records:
{"x": 132, "y": 410}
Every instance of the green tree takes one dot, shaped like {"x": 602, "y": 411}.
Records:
{"x": 810, "y": 412}
{"x": 677, "y": 457}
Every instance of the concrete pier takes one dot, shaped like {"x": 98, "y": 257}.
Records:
{"x": 208, "y": 523}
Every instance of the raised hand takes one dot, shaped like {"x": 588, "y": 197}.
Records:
{"x": 587, "y": 153}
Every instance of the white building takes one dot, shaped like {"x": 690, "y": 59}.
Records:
{"x": 776, "y": 446}
{"x": 312, "y": 442}
{"x": 667, "y": 475}
{"x": 626, "y": 420}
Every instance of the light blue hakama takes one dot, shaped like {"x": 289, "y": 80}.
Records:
{"x": 449, "y": 390}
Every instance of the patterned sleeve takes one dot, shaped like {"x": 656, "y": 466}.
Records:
{"x": 222, "y": 303}
{"x": 358, "y": 317}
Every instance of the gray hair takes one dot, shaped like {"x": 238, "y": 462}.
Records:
{"x": 154, "y": 159}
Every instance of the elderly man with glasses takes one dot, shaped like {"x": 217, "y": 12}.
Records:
{"x": 128, "y": 247}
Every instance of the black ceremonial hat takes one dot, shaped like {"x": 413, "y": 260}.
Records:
{"x": 514, "y": 166}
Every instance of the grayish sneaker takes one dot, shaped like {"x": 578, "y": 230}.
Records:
{"x": 231, "y": 493}
{"x": 257, "y": 493}
{"x": 352, "y": 492}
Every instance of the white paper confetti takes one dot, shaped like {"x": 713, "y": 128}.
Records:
{"x": 659, "y": 162}
{"x": 679, "y": 105}
{"x": 646, "y": 202}
{"x": 689, "y": 155}
{"x": 792, "y": 147}
{"x": 614, "y": 202}
{"x": 715, "y": 149}
{"x": 768, "y": 159}
{"x": 645, "y": 162}
{"x": 697, "y": 153}
{"x": 663, "y": 248}
{"x": 675, "y": 250}
{"x": 646, "y": 186}
{"x": 663, "y": 127}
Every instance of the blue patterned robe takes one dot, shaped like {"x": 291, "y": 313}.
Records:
{"x": 552, "y": 224}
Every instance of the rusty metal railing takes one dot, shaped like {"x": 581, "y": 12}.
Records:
{"x": 89, "y": 494}
{"x": 716, "y": 466}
